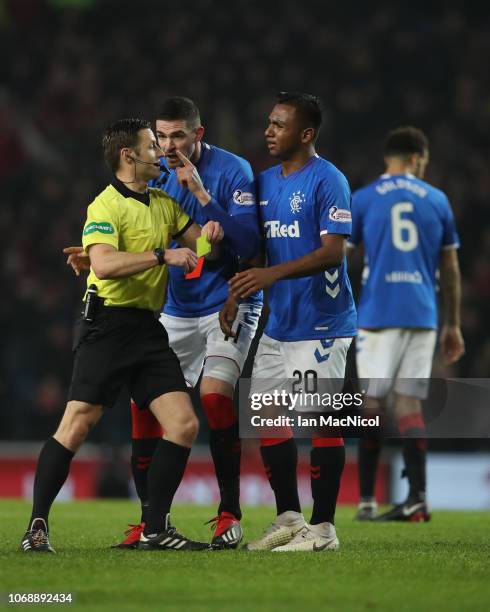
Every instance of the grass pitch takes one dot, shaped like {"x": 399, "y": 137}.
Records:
{"x": 441, "y": 565}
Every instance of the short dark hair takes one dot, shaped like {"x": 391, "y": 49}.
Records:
{"x": 308, "y": 107}
{"x": 404, "y": 141}
{"x": 121, "y": 134}
{"x": 179, "y": 107}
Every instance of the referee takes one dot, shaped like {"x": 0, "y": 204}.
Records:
{"x": 118, "y": 341}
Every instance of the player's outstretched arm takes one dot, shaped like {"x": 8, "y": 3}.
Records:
{"x": 241, "y": 231}
{"x": 451, "y": 341}
{"x": 331, "y": 254}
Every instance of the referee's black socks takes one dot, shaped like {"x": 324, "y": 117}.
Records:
{"x": 164, "y": 476}
{"x": 52, "y": 470}
{"x": 141, "y": 456}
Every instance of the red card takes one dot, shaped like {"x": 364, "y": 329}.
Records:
{"x": 196, "y": 273}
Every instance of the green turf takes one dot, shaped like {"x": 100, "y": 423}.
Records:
{"x": 442, "y": 565}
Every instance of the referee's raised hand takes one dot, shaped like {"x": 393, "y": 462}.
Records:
{"x": 182, "y": 258}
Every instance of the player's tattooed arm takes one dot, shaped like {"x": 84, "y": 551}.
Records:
{"x": 451, "y": 341}
{"x": 330, "y": 255}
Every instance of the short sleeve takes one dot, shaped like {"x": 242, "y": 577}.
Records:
{"x": 450, "y": 238}
{"x": 334, "y": 199}
{"x": 101, "y": 226}
{"x": 181, "y": 219}
{"x": 356, "y": 234}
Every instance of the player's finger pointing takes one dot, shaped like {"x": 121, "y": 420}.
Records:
{"x": 185, "y": 160}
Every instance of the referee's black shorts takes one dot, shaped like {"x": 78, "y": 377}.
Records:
{"x": 123, "y": 346}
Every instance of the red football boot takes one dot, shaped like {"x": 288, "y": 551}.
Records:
{"x": 228, "y": 532}
{"x": 132, "y": 536}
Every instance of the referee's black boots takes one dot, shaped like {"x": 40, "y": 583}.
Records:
{"x": 170, "y": 539}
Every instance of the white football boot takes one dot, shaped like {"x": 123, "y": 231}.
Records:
{"x": 279, "y": 532}
{"x": 312, "y": 538}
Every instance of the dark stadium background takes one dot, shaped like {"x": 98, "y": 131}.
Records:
{"x": 70, "y": 67}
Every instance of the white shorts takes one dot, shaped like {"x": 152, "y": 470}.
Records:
{"x": 295, "y": 366}
{"x": 398, "y": 359}
{"x": 199, "y": 342}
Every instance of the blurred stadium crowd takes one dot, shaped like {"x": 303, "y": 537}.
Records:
{"x": 73, "y": 66}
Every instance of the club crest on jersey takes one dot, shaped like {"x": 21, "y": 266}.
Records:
{"x": 274, "y": 229}
{"x": 341, "y": 215}
{"x": 296, "y": 200}
{"x": 244, "y": 198}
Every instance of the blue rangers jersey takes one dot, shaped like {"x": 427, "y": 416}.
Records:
{"x": 295, "y": 211}
{"x": 229, "y": 180}
{"x": 404, "y": 223}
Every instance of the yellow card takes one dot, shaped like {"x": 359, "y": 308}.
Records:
{"x": 203, "y": 246}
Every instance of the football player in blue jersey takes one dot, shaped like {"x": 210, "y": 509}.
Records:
{"x": 407, "y": 229}
{"x": 305, "y": 214}
{"x": 209, "y": 183}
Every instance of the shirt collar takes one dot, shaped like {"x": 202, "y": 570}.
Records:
{"x": 407, "y": 174}
{"x": 144, "y": 198}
